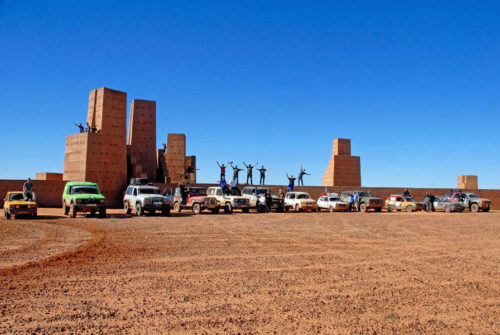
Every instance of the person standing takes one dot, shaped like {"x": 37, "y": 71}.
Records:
{"x": 223, "y": 185}
{"x": 28, "y": 190}
{"x": 234, "y": 186}
{"x": 250, "y": 172}
{"x": 355, "y": 201}
{"x": 301, "y": 175}
{"x": 236, "y": 172}
{"x": 222, "y": 170}
{"x": 183, "y": 191}
{"x": 406, "y": 193}
{"x": 432, "y": 199}
{"x": 351, "y": 202}
{"x": 80, "y": 126}
{"x": 291, "y": 183}
{"x": 263, "y": 175}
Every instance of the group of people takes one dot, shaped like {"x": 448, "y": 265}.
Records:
{"x": 88, "y": 129}
{"x": 262, "y": 171}
{"x": 429, "y": 201}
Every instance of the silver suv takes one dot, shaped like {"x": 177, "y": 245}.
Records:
{"x": 145, "y": 198}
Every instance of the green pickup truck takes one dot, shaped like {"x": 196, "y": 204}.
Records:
{"x": 83, "y": 197}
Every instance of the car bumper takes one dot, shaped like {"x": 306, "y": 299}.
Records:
{"x": 157, "y": 207}
{"x": 89, "y": 207}
{"x": 308, "y": 207}
{"x": 22, "y": 211}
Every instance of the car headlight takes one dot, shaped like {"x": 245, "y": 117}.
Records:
{"x": 101, "y": 201}
{"x": 148, "y": 200}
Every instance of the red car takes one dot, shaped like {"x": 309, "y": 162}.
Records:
{"x": 196, "y": 200}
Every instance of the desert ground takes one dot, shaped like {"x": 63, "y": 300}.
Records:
{"x": 330, "y": 273}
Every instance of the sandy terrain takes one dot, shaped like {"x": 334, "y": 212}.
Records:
{"x": 341, "y": 273}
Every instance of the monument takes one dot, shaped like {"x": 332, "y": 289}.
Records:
{"x": 343, "y": 169}
{"x": 467, "y": 182}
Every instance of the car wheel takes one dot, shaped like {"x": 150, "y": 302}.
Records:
{"x": 138, "y": 209}
{"x": 65, "y": 208}
{"x": 409, "y": 209}
{"x": 362, "y": 207}
{"x": 486, "y": 210}
{"x": 165, "y": 211}
{"x": 196, "y": 209}
{"x": 72, "y": 211}
{"x": 389, "y": 208}
{"x": 127, "y": 208}
{"x": 287, "y": 209}
{"x": 246, "y": 210}
{"x": 215, "y": 210}
{"x": 447, "y": 209}
{"x": 7, "y": 214}
{"x": 102, "y": 212}
{"x": 34, "y": 215}
{"x": 474, "y": 208}
{"x": 331, "y": 209}
{"x": 297, "y": 208}
{"x": 228, "y": 209}
{"x": 177, "y": 207}
{"x": 378, "y": 209}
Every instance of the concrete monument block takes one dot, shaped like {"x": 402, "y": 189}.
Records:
{"x": 343, "y": 169}
{"x": 467, "y": 182}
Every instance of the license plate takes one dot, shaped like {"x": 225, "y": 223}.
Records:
{"x": 157, "y": 203}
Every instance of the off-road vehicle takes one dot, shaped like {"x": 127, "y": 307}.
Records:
{"x": 196, "y": 200}
{"x": 332, "y": 203}
{"x": 446, "y": 205}
{"x": 366, "y": 200}
{"x": 470, "y": 200}
{"x": 252, "y": 193}
{"x": 400, "y": 202}
{"x": 145, "y": 198}
{"x": 228, "y": 201}
{"x": 300, "y": 201}
{"x": 14, "y": 204}
{"x": 82, "y": 196}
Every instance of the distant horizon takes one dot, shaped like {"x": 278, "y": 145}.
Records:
{"x": 413, "y": 85}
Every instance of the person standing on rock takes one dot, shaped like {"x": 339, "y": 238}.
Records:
{"x": 301, "y": 175}
{"x": 263, "y": 175}
{"x": 236, "y": 172}
{"x": 291, "y": 183}
{"x": 250, "y": 172}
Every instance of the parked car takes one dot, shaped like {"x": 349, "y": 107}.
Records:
{"x": 145, "y": 198}
{"x": 446, "y": 205}
{"x": 196, "y": 200}
{"x": 82, "y": 196}
{"x": 300, "y": 201}
{"x": 366, "y": 200}
{"x": 332, "y": 202}
{"x": 252, "y": 193}
{"x": 15, "y": 205}
{"x": 470, "y": 200}
{"x": 399, "y": 202}
{"x": 228, "y": 201}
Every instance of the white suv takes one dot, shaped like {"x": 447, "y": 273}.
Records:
{"x": 145, "y": 198}
{"x": 332, "y": 202}
{"x": 300, "y": 201}
{"x": 228, "y": 201}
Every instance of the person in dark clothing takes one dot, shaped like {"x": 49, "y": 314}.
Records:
{"x": 234, "y": 186}
{"x": 93, "y": 129}
{"x": 291, "y": 183}
{"x": 164, "y": 147}
{"x": 80, "y": 126}
{"x": 263, "y": 175}
{"x": 184, "y": 193}
{"x": 236, "y": 172}
{"x": 250, "y": 172}
{"x": 432, "y": 199}
{"x": 28, "y": 190}
{"x": 406, "y": 193}
{"x": 269, "y": 200}
{"x": 223, "y": 185}
{"x": 222, "y": 170}
{"x": 87, "y": 129}
{"x": 302, "y": 173}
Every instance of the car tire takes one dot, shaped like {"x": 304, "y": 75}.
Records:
{"x": 486, "y": 210}
{"x": 165, "y": 211}
{"x": 102, "y": 213}
{"x": 138, "y": 209}
{"x": 474, "y": 208}
{"x": 331, "y": 209}
{"x": 409, "y": 209}
{"x": 389, "y": 209}
{"x": 297, "y": 208}
{"x": 228, "y": 209}
{"x": 246, "y": 210}
{"x": 177, "y": 207}
{"x": 7, "y": 214}
{"x": 362, "y": 207}
{"x": 65, "y": 208}
{"x": 196, "y": 208}
{"x": 378, "y": 209}
{"x": 127, "y": 208}
{"x": 287, "y": 209}
{"x": 72, "y": 210}
{"x": 215, "y": 210}
{"x": 447, "y": 209}
{"x": 34, "y": 215}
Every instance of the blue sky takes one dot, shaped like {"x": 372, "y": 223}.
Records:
{"x": 414, "y": 85}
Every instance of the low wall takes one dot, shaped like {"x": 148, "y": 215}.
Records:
{"x": 49, "y": 192}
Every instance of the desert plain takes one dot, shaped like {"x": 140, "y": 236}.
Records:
{"x": 325, "y": 273}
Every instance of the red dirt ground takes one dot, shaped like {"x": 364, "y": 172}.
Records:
{"x": 331, "y": 273}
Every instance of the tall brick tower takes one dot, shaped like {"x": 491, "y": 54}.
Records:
{"x": 101, "y": 157}
{"x": 142, "y": 139}
{"x": 467, "y": 182}
{"x": 176, "y": 157}
{"x": 343, "y": 169}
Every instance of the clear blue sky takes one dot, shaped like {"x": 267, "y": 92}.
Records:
{"x": 416, "y": 86}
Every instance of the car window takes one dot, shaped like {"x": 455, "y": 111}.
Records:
{"x": 246, "y": 191}
{"x": 149, "y": 190}
{"x": 334, "y": 199}
{"x": 84, "y": 190}
{"x": 473, "y": 196}
{"x": 129, "y": 190}
{"x": 303, "y": 196}
{"x": 135, "y": 191}
{"x": 197, "y": 192}
{"x": 211, "y": 191}
{"x": 219, "y": 192}
{"x": 16, "y": 196}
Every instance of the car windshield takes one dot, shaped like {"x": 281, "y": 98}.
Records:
{"x": 16, "y": 196}
{"x": 473, "y": 196}
{"x": 261, "y": 191}
{"x": 149, "y": 190}
{"x": 303, "y": 196}
{"x": 364, "y": 194}
{"x": 334, "y": 199}
{"x": 84, "y": 190}
{"x": 197, "y": 191}
{"x": 409, "y": 199}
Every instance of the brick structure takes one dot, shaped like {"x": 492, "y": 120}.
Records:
{"x": 343, "y": 169}
{"x": 175, "y": 158}
{"x": 142, "y": 139}
{"x": 48, "y": 176}
{"x": 101, "y": 157}
{"x": 191, "y": 162}
{"x": 467, "y": 182}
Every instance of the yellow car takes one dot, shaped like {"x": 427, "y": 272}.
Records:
{"x": 14, "y": 204}
{"x": 399, "y": 202}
